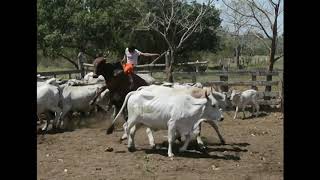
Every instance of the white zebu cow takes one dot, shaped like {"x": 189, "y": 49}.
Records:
{"x": 40, "y": 83}
{"x": 190, "y": 90}
{"x": 48, "y": 98}
{"x": 88, "y": 78}
{"x": 42, "y": 80}
{"x": 185, "y": 89}
{"x": 184, "y": 85}
{"x": 177, "y": 112}
{"x": 77, "y": 98}
{"x": 241, "y": 99}
{"x": 196, "y": 93}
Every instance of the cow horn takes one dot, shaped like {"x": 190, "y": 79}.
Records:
{"x": 95, "y": 75}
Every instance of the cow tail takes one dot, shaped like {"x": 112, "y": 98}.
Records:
{"x": 111, "y": 128}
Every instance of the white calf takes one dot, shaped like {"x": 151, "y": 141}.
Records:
{"x": 241, "y": 99}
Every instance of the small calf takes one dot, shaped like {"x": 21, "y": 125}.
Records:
{"x": 241, "y": 99}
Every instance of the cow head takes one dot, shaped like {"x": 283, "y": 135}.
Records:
{"x": 214, "y": 111}
{"x": 235, "y": 96}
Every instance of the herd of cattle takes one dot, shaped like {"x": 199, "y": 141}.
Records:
{"x": 178, "y": 108}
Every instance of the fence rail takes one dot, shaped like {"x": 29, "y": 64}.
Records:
{"x": 224, "y": 82}
{"x": 55, "y": 73}
{"x": 242, "y": 83}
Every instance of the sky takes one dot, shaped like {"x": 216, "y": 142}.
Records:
{"x": 219, "y": 5}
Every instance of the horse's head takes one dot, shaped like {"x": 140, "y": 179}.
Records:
{"x": 107, "y": 70}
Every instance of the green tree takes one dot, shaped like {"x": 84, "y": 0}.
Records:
{"x": 66, "y": 27}
{"x": 176, "y": 22}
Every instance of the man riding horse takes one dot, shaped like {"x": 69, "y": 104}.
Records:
{"x": 120, "y": 78}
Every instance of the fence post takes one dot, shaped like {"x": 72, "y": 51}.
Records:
{"x": 81, "y": 60}
{"x": 69, "y": 75}
{"x": 224, "y": 88}
{"x": 167, "y": 61}
{"x": 85, "y": 69}
{"x": 194, "y": 77}
{"x": 254, "y": 78}
{"x": 194, "y": 74}
{"x": 197, "y": 66}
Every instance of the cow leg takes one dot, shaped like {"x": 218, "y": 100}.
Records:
{"x": 171, "y": 138}
{"x": 125, "y": 117}
{"x": 257, "y": 108}
{"x": 115, "y": 112}
{"x": 65, "y": 111}
{"x": 58, "y": 113}
{"x": 124, "y": 136}
{"x": 178, "y": 136}
{"x": 150, "y": 137}
{"x": 81, "y": 118}
{"x": 131, "y": 130}
{"x": 215, "y": 126}
{"x": 186, "y": 143}
{"x": 125, "y": 113}
{"x": 45, "y": 127}
{"x": 235, "y": 115}
{"x": 197, "y": 132}
{"x": 244, "y": 114}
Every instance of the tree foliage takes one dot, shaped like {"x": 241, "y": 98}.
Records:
{"x": 66, "y": 27}
{"x": 92, "y": 26}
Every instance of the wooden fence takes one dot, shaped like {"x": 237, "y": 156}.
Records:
{"x": 55, "y": 73}
{"x": 224, "y": 81}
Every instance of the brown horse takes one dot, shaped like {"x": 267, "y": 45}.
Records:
{"x": 117, "y": 82}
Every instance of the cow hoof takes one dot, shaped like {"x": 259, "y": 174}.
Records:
{"x": 122, "y": 139}
{"x": 153, "y": 147}
{"x": 179, "y": 139}
{"x": 223, "y": 142}
{"x": 182, "y": 150}
{"x": 110, "y": 130}
{"x": 203, "y": 149}
{"x": 131, "y": 149}
{"x": 171, "y": 156}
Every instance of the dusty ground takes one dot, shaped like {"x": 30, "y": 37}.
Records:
{"x": 254, "y": 150}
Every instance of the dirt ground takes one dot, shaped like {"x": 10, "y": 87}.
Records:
{"x": 254, "y": 150}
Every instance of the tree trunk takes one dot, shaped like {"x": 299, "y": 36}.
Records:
{"x": 271, "y": 62}
{"x": 273, "y": 48}
{"x": 69, "y": 60}
{"x": 170, "y": 69}
{"x": 237, "y": 53}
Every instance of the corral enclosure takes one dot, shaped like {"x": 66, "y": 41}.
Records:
{"x": 223, "y": 44}
{"x": 222, "y": 79}
{"x": 254, "y": 148}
